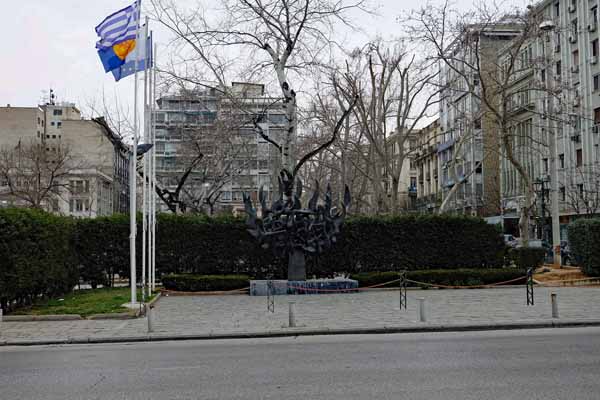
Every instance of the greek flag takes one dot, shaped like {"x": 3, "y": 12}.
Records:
{"x": 119, "y": 27}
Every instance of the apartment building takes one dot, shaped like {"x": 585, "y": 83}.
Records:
{"x": 556, "y": 103}
{"x": 222, "y": 126}
{"x": 94, "y": 179}
{"x": 426, "y": 164}
{"x": 468, "y": 150}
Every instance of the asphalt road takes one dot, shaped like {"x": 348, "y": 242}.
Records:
{"x": 524, "y": 365}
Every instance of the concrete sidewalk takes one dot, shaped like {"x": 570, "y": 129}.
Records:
{"x": 207, "y": 317}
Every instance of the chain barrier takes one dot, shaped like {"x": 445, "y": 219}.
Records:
{"x": 406, "y": 281}
{"x": 550, "y": 283}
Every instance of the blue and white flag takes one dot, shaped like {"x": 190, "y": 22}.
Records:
{"x": 144, "y": 60}
{"x": 119, "y": 27}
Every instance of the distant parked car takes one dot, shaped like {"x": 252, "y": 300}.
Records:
{"x": 510, "y": 241}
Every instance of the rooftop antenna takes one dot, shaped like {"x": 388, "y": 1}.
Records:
{"x": 52, "y": 98}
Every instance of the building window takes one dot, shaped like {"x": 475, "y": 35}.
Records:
{"x": 558, "y": 68}
{"x": 52, "y": 123}
{"x": 581, "y": 191}
{"x": 596, "y": 82}
{"x": 579, "y": 156}
{"x": 545, "y": 162}
{"x": 58, "y": 124}
{"x": 237, "y": 196}
{"x": 561, "y": 160}
{"x": 595, "y": 48}
{"x": 57, "y": 112}
{"x": 79, "y": 186}
{"x": 543, "y": 76}
{"x": 575, "y": 58}
{"x": 53, "y": 136}
{"x": 557, "y": 9}
{"x": 159, "y": 117}
{"x": 563, "y": 193}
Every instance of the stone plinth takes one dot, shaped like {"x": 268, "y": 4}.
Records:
{"x": 324, "y": 286}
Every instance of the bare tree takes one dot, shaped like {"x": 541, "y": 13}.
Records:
{"x": 36, "y": 176}
{"x": 279, "y": 37}
{"x": 396, "y": 93}
{"x": 490, "y": 71}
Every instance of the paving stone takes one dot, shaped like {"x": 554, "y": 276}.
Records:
{"x": 182, "y": 315}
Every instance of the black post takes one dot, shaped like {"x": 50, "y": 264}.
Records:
{"x": 402, "y": 283}
{"x": 270, "y": 296}
{"x": 529, "y": 286}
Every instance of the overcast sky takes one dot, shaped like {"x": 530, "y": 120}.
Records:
{"x": 50, "y": 44}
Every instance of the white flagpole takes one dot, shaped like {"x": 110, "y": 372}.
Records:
{"x": 153, "y": 167}
{"x": 145, "y": 162}
{"x": 132, "y": 180}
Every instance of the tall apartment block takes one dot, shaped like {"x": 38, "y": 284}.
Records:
{"x": 556, "y": 103}
{"x": 221, "y": 124}
{"x": 467, "y": 134}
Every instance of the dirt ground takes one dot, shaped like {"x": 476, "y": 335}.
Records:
{"x": 557, "y": 274}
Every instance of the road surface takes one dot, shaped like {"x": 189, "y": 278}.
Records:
{"x": 524, "y": 365}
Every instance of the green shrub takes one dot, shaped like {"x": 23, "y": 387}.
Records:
{"x": 43, "y": 252}
{"x": 413, "y": 242}
{"x": 527, "y": 257}
{"x": 200, "y": 283}
{"x": 447, "y": 277}
{"x": 584, "y": 243}
{"x": 37, "y": 257}
{"x": 102, "y": 247}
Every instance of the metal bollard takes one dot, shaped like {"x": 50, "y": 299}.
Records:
{"x": 292, "y": 320}
{"x": 421, "y": 309}
{"x": 554, "y": 305}
{"x": 150, "y": 317}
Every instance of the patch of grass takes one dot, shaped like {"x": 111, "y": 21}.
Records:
{"x": 84, "y": 303}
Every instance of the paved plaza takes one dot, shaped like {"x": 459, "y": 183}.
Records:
{"x": 206, "y": 315}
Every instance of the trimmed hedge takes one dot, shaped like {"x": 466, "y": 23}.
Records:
{"x": 414, "y": 242}
{"x": 102, "y": 247}
{"x": 456, "y": 277}
{"x": 201, "y": 283}
{"x": 211, "y": 246}
{"x": 96, "y": 249}
{"x": 37, "y": 256}
{"x": 584, "y": 243}
{"x": 527, "y": 257}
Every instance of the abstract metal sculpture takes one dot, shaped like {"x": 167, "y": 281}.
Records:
{"x": 292, "y": 231}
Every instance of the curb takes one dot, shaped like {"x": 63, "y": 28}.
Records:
{"x": 49, "y": 317}
{"x": 309, "y": 332}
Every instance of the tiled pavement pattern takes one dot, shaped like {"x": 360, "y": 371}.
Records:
{"x": 182, "y": 315}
